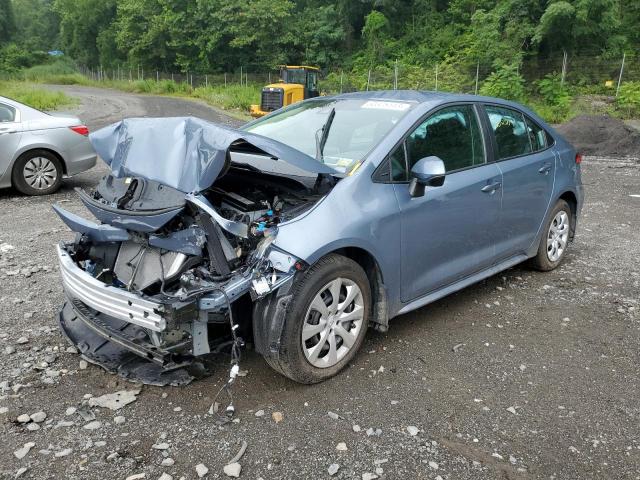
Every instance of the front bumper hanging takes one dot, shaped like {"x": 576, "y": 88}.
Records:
{"x": 123, "y": 331}
{"x": 112, "y": 301}
{"x": 119, "y": 349}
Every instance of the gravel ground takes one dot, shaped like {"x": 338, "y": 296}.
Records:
{"x": 542, "y": 382}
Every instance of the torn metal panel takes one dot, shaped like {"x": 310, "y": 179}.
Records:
{"x": 99, "y": 233}
{"x": 185, "y": 153}
{"x": 235, "y": 228}
{"x": 188, "y": 241}
{"x": 146, "y": 221}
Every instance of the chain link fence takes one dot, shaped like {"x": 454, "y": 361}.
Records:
{"x": 238, "y": 77}
{"x": 602, "y": 74}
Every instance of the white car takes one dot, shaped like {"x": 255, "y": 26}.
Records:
{"x": 38, "y": 149}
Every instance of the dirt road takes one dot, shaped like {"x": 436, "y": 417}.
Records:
{"x": 542, "y": 382}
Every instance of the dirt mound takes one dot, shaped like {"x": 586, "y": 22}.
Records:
{"x": 601, "y": 135}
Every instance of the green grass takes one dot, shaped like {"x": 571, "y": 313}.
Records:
{"x": 236, "y": 99}
{"x": 231, "y": 97}
{"x": 35, "y": 96}
{"x": 60, "y": 72}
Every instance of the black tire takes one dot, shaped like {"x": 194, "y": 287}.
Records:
{"x": 20, "y": 182}
{"x": 291, "y": 361}
{"x": 542, "y": 261}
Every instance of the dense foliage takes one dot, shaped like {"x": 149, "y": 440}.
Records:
{"x": 221, "y": 35}
{"x": 506, "y": 48}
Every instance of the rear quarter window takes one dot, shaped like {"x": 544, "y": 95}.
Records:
{"x": 537, "y": 135}
{"x": 7, "y": 113}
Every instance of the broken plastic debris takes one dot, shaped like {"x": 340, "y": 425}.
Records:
{"x": 260, "y": 286}
{"x": 5, "y": 247}
{"x": 240, "y": 453}
{"x": 114, "y": 401}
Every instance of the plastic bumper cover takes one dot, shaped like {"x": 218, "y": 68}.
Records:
{"x": 115, "y": 302}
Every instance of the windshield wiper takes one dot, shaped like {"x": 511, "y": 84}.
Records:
{"x": 320, "y": 142}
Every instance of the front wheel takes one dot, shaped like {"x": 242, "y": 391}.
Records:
{"x": 326, "y": 321}
{"x": 555, "y": 239}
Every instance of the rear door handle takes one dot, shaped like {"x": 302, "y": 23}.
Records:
{"x": 7, "y": 130}
{"x": 546, "y": 168}
{"x": 492, "y": 187}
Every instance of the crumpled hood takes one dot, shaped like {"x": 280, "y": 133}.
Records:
{"x": 185, "y": 153}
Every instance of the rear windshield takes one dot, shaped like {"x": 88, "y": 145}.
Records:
{"x": 357, "y": 127}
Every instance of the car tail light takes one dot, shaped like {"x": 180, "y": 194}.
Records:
{"x": 578, "y": 158}
{"x": 81, "y": 129}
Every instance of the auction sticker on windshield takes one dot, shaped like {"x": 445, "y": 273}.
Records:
{"x": 383, "y": 105}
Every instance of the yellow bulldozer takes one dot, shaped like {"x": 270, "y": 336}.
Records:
{"x": 296, "y": 83}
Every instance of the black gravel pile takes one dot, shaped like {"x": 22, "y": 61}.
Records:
{"x": 601, "y": 135}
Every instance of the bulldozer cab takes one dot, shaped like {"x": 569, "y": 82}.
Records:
{"x": 296, "y": 83}
{"x": 302, "y": 75}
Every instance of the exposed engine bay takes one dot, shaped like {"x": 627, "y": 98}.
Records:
{"x": 159, "y": 276}
{"x": 191, "y": 248}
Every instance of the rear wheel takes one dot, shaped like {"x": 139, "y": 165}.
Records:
{"x": 555, "y": 239}
{"x": 326, "y": 321}
{"x": 37, "y": 172}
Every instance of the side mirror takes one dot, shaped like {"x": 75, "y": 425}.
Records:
{"x": 427, "y": 172}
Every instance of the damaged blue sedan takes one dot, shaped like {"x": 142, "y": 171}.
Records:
{"x": 305, "y": 228}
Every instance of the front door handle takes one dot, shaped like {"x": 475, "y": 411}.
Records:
{"x": 492, "y": 187}
{"x": 545, "y": 169}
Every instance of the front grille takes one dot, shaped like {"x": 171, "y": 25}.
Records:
{"x": 271, "y": 99}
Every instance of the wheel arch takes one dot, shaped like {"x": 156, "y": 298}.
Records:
{"x": 32, "y": 148}
{"x": 380, "y": 304}
{"x": 571, "y": 198}
{"x": 568, "y": 195}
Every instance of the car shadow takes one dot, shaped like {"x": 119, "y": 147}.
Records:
{"x": 414, "y": 330}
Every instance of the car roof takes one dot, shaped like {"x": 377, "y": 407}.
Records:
{"x": 432, "y": 98}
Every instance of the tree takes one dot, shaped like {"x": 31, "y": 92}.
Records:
{"x": 375, "y": 33}
{"x": 7, "y": 21}
{"x": 37, "y": 24}
{"x": 588, "y": 26}
{"x": 256, "y": 31}
{"x": 319, "y": 37}
{"x": 81, "y": 25}
{"x": 142, "y": 31}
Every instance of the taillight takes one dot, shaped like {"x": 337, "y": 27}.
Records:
{"x": 81, "y": 129}
{"x": 578, "y": 158}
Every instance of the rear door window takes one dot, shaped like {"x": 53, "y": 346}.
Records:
{"x": 7, "y": 113}
{"x": 510, "y": 130}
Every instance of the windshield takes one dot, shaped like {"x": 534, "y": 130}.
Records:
{"x": 357, "y": 126}
{"x": 295, "y": 75}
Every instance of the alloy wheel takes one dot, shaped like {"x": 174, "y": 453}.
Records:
{"x": 333, "y": 323}
{"x": 40, "y": 173}
{"x": 558, "y": 236}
